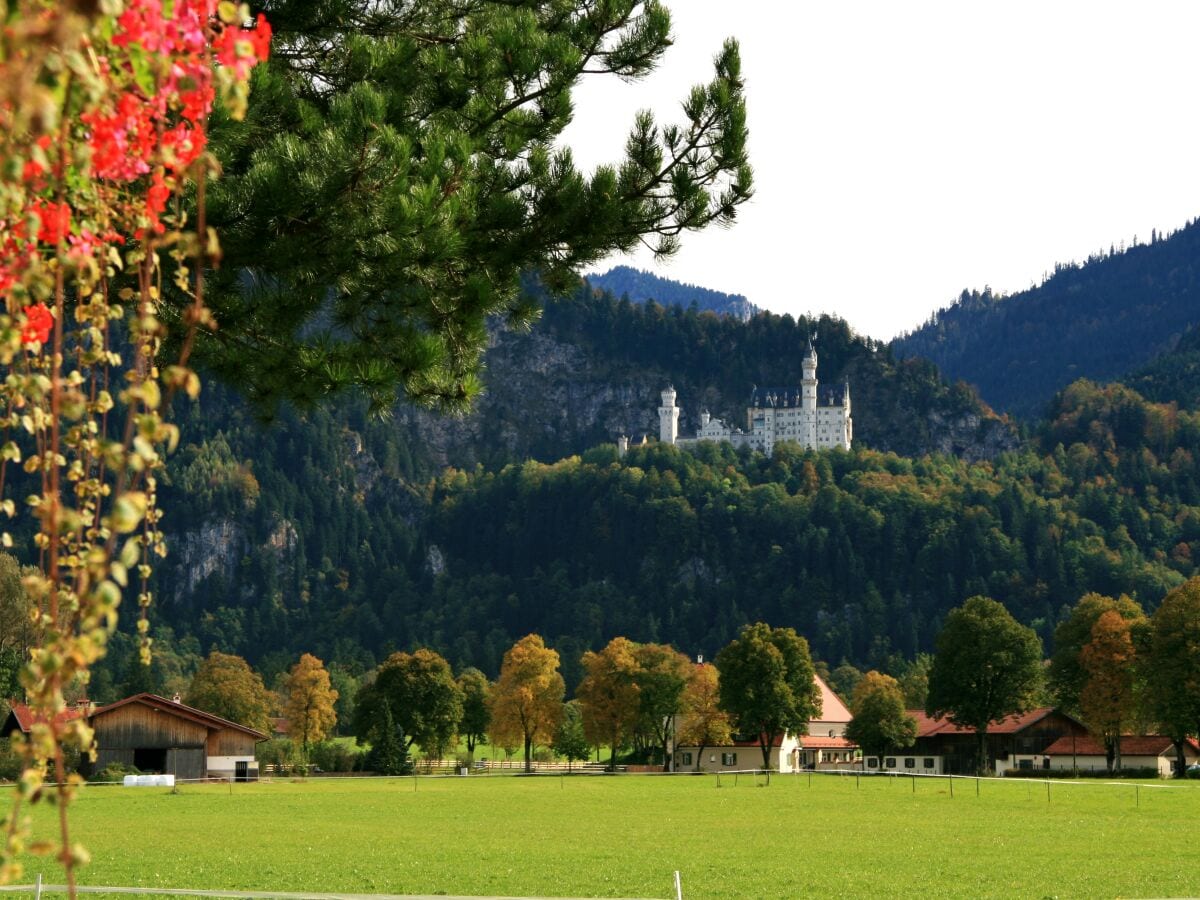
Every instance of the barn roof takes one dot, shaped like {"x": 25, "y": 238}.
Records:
{"x": 1131, "y": 745}
{"x": 928, "y": 726}
{"x": 25, "y": 717}
{"x": 199, "y": 716}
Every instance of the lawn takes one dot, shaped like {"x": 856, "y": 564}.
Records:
{"x": 624, "y": 837}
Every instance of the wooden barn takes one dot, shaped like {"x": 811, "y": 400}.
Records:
{"x": 157, "y": 735}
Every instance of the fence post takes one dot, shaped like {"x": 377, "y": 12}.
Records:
{"x": 678, "y": 887}
{"x": 38, "y": 894}
{"x": 951, "y": 778}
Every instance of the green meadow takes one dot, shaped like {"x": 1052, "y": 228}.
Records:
{"x": 624, "y": 837}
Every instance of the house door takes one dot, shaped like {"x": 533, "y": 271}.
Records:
{"x": 241, "y": 770}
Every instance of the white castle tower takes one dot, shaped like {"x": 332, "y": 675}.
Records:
{"x": 668, "y": 417}
{"x": 774, "y": 415}
{"x": 808, "y": 397}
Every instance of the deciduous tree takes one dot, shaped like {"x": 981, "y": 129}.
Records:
{"x": 226, "y": 686}
{"x": 988, "y": 666}
{"x": 880, "y": 721}
{"x": 1173, "y": 666}
{"x": 527, "y": 699}
{"x": 309, "y": 701}
{"x": 1067, "y": 674}
{"x": 1107, "y": 698}
{"x": 608, "y": 695}
{"x": 767, "y": 684}
{"x": 662, "y": 674}
{"x": 704, "y": 723}
{"x": 477, "y": 713}
{"x": 424, "y": 699}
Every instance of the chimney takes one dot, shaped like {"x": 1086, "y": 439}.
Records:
{"x": 175, "y": 698}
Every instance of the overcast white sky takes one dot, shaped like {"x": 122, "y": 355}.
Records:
{"x": 904, "y": 151}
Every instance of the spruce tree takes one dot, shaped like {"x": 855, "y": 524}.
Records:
{"x": 389, "y": 754}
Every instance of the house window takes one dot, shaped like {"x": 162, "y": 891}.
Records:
{"x": 872, "y": 762}
{"x": 729, "y": 759}
{"x": 687, "y": 759}
{"x": 891, "y": 762}
{"x": 929, "y": 762}
{"x": 909, "y": 762}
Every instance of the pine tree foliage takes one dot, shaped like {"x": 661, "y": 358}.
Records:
{"x": 399, "y": 167}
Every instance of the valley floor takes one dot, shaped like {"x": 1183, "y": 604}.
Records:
{"x": 625, "y": 836}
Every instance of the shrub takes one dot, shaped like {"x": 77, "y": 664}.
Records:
{"x": 114, "y": 772}
{"x": 335, "y": 756}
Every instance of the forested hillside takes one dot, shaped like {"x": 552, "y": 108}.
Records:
{"x": 323, "y": 544}
{"x": 1098, "y": 320}
{"x": 594, "y": 367}
{"x": 1174, "y": 376}
{"x": 640, "y": 287}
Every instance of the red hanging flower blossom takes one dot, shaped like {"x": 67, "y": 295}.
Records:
{"x": 38, "y": 323}
{"x": 54, "y": 221}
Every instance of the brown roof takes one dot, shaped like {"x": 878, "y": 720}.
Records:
{"x": 199, "y": 716}
{"x": 1131, "y": 745}
{"x": 928, "y": 726}
{"x": 25, "y": 717}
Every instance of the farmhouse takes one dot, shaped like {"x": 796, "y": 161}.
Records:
{"x": 1016, "y": 742}
{"x": 824, "y": 747}
{"x": 154, "y": 734}
{"x": 1138, "y": 751}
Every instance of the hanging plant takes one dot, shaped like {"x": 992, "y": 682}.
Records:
{"x": 103, "y": 120}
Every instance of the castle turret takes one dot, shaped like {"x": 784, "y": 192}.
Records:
{"x": 622, "y": 445}
{"x": 809, "y": 383}
{"x": 668, "y": 417}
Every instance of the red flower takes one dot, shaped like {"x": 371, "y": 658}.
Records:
{"x": 156, "y": 200}
{"x": 54, "y": 221}
{"x": 38, "y": 322}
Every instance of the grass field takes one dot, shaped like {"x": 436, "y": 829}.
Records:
{"x": 625, "y": 836}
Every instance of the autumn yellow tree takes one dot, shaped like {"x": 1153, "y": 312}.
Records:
{"x": 609, "y": 694}
{"x": 527, "y": 699}
{"x": 704, "y": 723}
{"x": 226, "y": 686}
{"x": 1107, "y": 698}
{"x": 309, "y": 702}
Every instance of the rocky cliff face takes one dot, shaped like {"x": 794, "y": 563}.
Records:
{"x": 546, "y": 398}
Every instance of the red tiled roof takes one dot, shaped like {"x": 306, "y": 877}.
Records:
{"x": 208, "y": 720}
{"x": 928, "y": 726}
{"x": 25, "y": 716}
{"x": 1131, "y": 745}
{"x": 279, "y": 725}
{"x": 808, "y": 742}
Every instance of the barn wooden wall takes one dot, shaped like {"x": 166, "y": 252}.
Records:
{"x": 135, "y": 725}
{"x": 228, "y": 742}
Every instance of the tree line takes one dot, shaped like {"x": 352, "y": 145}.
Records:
{"x": 1114, "y": 667}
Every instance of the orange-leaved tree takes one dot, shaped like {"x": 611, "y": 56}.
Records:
{"x": 704, "y": 723}
{"x": 608, "y": 694}
{"x": 308, "y": 703}
{"x": 226, "y": 686}
{"x": 527, "y": 699}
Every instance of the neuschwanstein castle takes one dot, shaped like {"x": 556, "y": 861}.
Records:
{"x": 773, "y": 416}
